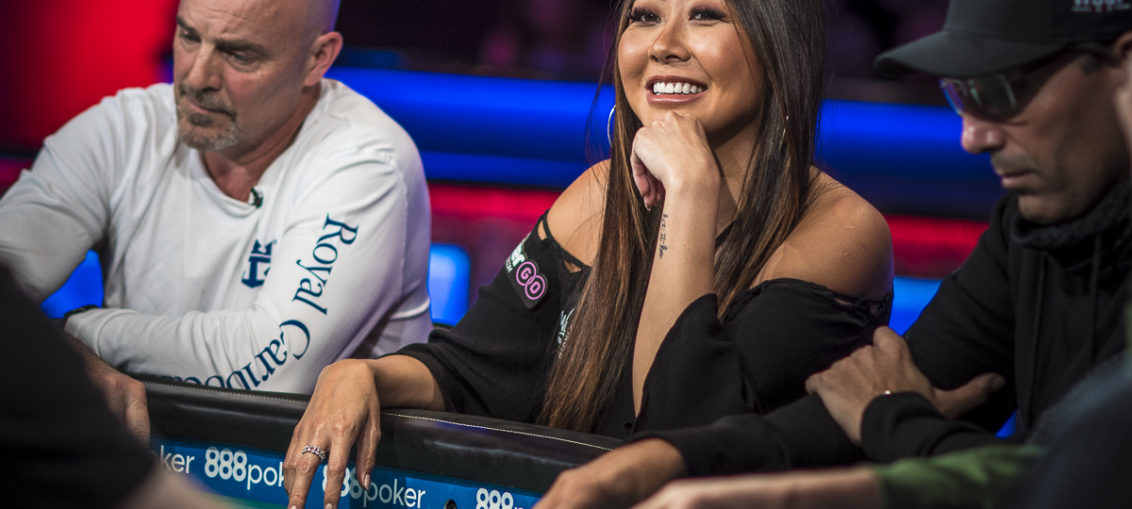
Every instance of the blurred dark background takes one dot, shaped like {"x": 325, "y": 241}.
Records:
{"x": 59, "y": 57}
{"x": 570, "y": 39}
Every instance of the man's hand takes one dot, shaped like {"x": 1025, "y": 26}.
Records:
{"x": 856, "y": 488}
{"x": 124, "y": 395}
{"x": 618, "y": 478}
{"x": 886, "y": 367}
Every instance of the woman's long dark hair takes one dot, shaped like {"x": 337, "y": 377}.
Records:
{"x": 788, "y": 37}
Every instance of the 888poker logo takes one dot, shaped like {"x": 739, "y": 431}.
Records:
{"x": 494, "y": 499}
{"x": 254, "y": 478}
{"x": 400, "y": 489}
{"x": 390, "y": 492}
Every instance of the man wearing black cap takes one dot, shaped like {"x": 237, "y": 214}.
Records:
{"x": 1033, "y": 311}
{"x": 1039, "y": 300}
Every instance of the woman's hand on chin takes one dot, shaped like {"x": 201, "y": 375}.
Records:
{"x": 343, "y": 409}
{"x": 672, "y": 152}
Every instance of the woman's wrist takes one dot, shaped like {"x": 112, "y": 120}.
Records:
{"x": 404, "y": 381}
{"x": 701, "y": 184}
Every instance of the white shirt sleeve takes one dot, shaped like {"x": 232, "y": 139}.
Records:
{"x": 337, "y": 271}
{"x": 56, "y": 212}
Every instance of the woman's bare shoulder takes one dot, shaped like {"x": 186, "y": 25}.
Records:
{"x": 575, "y": 217}
{"x": 842, "y": 243}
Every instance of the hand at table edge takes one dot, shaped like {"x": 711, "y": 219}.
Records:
{"x": 847, "y": 488}
{"x": 124, "y": 395}
{"x": 618, "y": 478}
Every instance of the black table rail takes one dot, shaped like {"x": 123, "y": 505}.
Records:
{"x": 477, "y": 449}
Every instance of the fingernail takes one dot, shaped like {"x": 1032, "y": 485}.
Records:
{"x": 329, "y": 506}
{"x": 365, "y": 482}
{"x": 998, "y": 382}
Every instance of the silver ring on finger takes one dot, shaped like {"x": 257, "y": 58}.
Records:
{"x": 315, "y": 450}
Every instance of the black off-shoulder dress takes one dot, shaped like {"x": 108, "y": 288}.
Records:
{"x": 496, "y": 360}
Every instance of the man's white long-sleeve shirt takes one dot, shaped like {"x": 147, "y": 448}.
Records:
{"x": 205, "y": 288}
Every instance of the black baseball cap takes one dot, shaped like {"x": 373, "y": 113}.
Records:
{"x": 988, "y": 36}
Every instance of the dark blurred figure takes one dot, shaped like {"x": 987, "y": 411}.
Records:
{"x": 1088, "y": 465}
{"x": 854, "y": 38}
{"x": 434, "y": 35}
{"x": 913, "y": 19}
{"x": 859, "y": 29}
{"x": 559, "y": 39}
{"x": 60, "y": 446}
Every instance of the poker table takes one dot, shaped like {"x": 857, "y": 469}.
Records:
{"x": 232, "y": 443}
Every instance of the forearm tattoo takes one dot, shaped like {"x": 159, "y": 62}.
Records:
{"x": 663, "y": 235}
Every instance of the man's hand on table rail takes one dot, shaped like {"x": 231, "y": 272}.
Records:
{"x": 618, "y": 478}
{"x": 124, "y": 395}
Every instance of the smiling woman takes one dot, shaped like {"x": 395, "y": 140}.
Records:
{"x": 697, "y": 62}
{"x": 704, "y": 270}
{"x": 740, "y": 203}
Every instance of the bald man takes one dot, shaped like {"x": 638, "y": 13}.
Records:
{"x": 255, "y": 221}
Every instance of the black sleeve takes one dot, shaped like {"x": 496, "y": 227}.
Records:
{"x": 60, "y": 446}
{"x": 711, "y": 382}
{"x": 495, "y": 361}
{"x": 966, "y": 330}
{"x": 757, "y": 358}
{"x": 906, "y": 424}
{"x": 799, "y": 435}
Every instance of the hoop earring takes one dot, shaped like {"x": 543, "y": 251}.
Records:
{"x": 609, "y": 125}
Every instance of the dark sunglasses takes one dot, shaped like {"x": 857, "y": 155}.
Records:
{"x": 1001, "y": 96}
